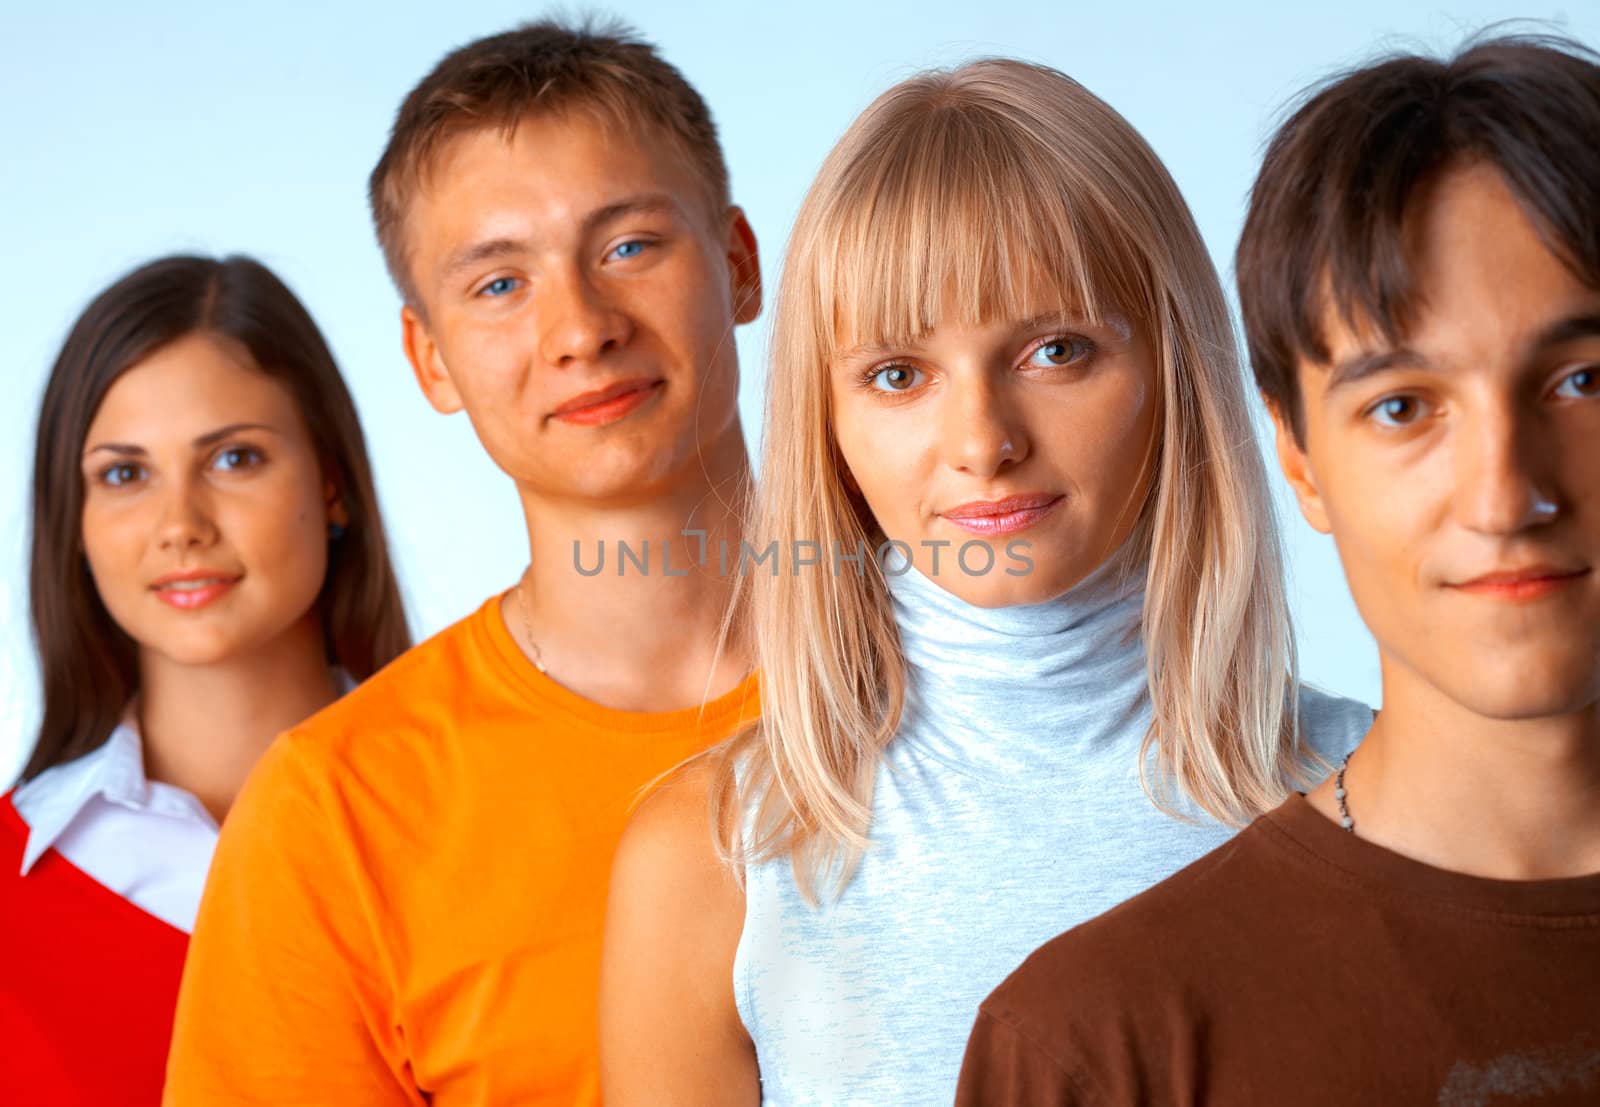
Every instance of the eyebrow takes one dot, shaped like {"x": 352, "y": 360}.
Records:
{"x": 210, "y": 438}
{"x": 1360, "y": 366}
{"x": 1570, "y": 329}
{"x": 506, "y": 245}
{"x": 1112, "y": 320}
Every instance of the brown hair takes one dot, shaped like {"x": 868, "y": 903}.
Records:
{"x": 538, "y": 68}
{"x": 1327, "y": 213}
{"x": 89, "y": 666}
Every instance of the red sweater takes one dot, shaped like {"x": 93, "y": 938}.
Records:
{"x": 88, "y": 983}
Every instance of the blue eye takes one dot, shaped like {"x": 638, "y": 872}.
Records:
{"x": 500, "y": 286}
{"x": 632, "y": 248}
{"x": 1396, "y": 411}
{"x": 895, "y": 378}
{"x": 1060, "y": 352}
{"x": 1582, "y": 385}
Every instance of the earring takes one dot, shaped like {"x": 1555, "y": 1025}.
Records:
{"x": 335, "y": 532}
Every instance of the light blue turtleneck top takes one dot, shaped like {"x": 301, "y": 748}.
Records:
{"x": 1008, "y": 809}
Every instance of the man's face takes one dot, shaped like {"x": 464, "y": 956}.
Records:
{"x": 1460, "y": 473}
{"x": 577, "y": 297}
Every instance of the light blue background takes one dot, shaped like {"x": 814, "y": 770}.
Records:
{"x": 131, "y": 130}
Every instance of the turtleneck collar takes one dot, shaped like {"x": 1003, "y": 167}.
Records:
{"x": 1034, "y": 689}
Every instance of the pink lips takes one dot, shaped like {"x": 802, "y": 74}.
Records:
{"x": 192, "y": 589}
{"x": 1004, "y": 516}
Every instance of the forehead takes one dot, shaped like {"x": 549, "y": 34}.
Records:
{"x": 189, "y": 386}
{"x": 542, "y": 174}
{"x": 1485, "y": 283}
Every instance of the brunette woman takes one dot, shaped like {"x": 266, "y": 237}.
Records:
{"x": 208, "y": 568}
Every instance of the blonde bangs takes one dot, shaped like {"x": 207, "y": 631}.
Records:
{"x": 960, "y": 217}
{"x": 1001, "y": 190}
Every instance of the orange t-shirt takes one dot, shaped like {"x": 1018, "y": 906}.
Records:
{"x": 407, "y": 899}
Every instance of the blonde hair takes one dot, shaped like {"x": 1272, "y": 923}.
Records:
{"x": 975, "y": 186}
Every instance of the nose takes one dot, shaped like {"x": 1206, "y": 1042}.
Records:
{"x": 580, "y": 323}
{"x": 186, "y": 521}
{"x": 982, "y": 430}
{"x": 1502, "y": 481}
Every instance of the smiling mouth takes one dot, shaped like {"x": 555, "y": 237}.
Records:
{"x": 1521, "y": 585}
{"x": 607, "y": 405}
{"x": 192, "y": 593}
{"x": 1005, "y": 516}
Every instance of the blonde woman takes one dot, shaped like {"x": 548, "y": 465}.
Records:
{"x": 1004, "y": 373}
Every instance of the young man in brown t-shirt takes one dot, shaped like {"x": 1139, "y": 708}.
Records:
{"x": 1420, "y": 280}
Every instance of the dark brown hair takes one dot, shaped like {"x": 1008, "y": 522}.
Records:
{"x": 88, "y": 664}
{"x": 538, "y": 68}
{"x": 1328, "y": 210}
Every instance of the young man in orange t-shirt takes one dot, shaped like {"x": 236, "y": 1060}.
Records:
{"x": 406, "y": 903}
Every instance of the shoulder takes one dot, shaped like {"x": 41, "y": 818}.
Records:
{"x": 669, "y": 852}
{"x": 391, "y": 719}
{"x": 13, "y": 829}
{"x": 671, "y": 934}
{"x": 1331, "y": 726}
{"x": 676, "y": 909}
{"x": 1102, "y": 981}
{"x": 407, "y": 691}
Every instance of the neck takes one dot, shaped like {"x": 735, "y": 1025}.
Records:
{"x": 1029, "y": 692}
{"x": 1503, "y": 799}
{"x": 632, "y": 638}
{"x": 204, "y": 726}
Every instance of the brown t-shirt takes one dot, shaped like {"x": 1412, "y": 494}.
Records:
{"x": 1301, "y": 966}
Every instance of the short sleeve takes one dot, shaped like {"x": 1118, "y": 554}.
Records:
{"x": 1005, "y": 1067}
{"x": 283, "y": 1000}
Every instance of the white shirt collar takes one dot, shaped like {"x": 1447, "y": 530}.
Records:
{"x": 115, "y": 772}
{"x": 51, "y": 801}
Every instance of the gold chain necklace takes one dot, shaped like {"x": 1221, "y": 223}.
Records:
{"x": 527, "y": 622}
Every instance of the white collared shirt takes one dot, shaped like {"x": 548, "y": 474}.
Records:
{"x": 150, "y": 843}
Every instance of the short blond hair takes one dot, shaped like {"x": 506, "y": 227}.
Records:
{"x": 537, "y": 69}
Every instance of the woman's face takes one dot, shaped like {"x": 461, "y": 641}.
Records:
{"x": 205, "y": 512}
{"x": 1012, "y": 458}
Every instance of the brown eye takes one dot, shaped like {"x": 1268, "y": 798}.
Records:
{"x": 895, "y": 378}
{"x": 1396, "y": 411}
{"x": 237, "y": 457}
{"x": 1584, "y": 384}
{"x": 1058, "y": 353}
{"x": 123, "y": 472}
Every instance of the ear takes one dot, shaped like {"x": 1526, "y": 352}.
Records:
{"x": 744, "y": 263}
{"x": 427, "y": 363}
{"x": 333, "y": 505}
{"x": 1297, "y": 470}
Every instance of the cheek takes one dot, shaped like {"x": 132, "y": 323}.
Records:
{"x": 114, "y": 542}
{"x": 882, "y": 451}
{"x": 1382, "y": 521}
{"x": 484, "y": 356}
{"x": 1103, "y": 439}
{"x": 281, "y": 534}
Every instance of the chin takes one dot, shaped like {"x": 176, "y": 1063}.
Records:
{"x": 1524, "y": 691}
{"x": 635, "y": 473}
{"x": 196, "y": 651}
{"x": 997, "y": 589}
